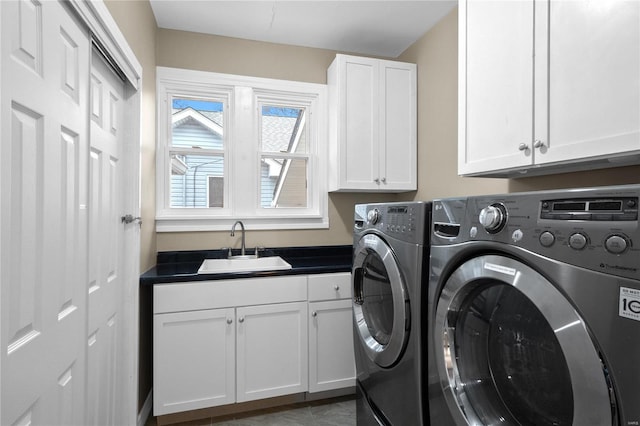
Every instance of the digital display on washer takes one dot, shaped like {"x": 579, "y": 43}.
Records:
{"x": 397, "y": 209}
{"x": 598, "y": 209}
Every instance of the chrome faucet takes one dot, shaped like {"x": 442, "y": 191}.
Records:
{"x": 233, "y": 232}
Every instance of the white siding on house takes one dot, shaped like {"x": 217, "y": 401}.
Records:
{"x": 190, "y": 189}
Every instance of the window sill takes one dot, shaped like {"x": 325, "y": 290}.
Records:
{"x": 187, "y": 224}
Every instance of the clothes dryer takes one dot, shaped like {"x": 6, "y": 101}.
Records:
{"x": 390, "y": 262}
{"x": 534, "y": 309}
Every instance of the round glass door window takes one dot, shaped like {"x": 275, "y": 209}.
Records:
{"x": 516, "y": 370}
{"x": 376, "y": 298}
{"x": 380, "y": 304}
{"x": 514, "y": 350}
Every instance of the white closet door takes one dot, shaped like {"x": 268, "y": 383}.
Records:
{"x": 43, "y": 213}
{"x": 105, "y": 282}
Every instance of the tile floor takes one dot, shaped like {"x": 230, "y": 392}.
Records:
{"x": 333, "y": 412}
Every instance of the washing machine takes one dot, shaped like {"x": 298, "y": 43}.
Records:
{"x": 534, "y": 309}
{"x": 389, "y": 278}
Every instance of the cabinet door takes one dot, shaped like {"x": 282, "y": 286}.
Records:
{"x": 331, "y": 355}
{"x": 593, "y": 79}
{"x": 398, "y": 126}
{"x": 495, "y": 116}
{"x": 194, "y": 360}
{"x": 271, "y": 350}
{"x": 359, "y": 134}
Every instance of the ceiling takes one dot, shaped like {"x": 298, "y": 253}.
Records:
{"x": 377, "y": 28}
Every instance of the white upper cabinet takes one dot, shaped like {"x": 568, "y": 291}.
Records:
{"x": 548, "y": 86}
{"x": 373, "y": 125}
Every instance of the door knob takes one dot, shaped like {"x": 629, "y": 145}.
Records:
{"x": 128, "y": 218}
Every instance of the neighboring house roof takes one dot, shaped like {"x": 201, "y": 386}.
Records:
{"x": 276, "y": 133}
{"x": 212, "y": 120}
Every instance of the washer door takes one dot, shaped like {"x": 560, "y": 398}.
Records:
{"x": 380, "y": 301}
{"x": 511, "y": 350}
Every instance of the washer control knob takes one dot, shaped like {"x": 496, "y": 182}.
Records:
{"x": 547, "y": 239}
{"x": 373, "y": 216}
{"x": 577, "y": 241}
{"x": 616, "y": 244}
{"x": 493, "y": 218}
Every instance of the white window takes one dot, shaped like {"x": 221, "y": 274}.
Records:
{"x": 239, "y": 148}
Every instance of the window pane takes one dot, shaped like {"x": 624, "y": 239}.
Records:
{"x": 283, "y": 129}
{"x": 283, "y": 183}
{"x": 197, "y": 181}
{"x": 197, "y": 123}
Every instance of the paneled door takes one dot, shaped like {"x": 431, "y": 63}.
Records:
{"x": 44, "y": 88}
{"x": 105, "y": 284}
{"x": 66, "y": 326}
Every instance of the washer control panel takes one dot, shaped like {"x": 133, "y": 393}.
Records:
{"x": 404, "y": 221}
{"x": 594, "y": 228}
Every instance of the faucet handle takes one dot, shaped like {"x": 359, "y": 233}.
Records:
{"x": 228, "y": 249}
{"x": 257, "y": 251}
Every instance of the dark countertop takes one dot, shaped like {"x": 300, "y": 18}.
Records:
{"x": 182, "y": 266}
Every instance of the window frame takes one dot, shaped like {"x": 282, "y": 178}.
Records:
{"x": 244, "y": 97}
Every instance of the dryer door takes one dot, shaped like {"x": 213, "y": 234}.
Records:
{"x": 380, "y": 301}
{"x": 514, "y": 350}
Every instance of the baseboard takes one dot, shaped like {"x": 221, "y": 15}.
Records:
{"x": 331, "y": 394}
{"x": 144, "y": 414}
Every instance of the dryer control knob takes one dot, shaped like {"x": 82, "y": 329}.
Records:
{"x": 616, "y": 244}
{"x": 493, "y": 218}
{"x": 373, "y": 216}
{"x": 547, "y": 239}
{"x": 577, "y": 241}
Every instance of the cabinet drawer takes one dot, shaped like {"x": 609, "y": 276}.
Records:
{"x": 193, "y": 296}
{"x": 329, "y": 286}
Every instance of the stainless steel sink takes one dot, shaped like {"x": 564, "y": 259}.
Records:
{"x": 243, "y": 264}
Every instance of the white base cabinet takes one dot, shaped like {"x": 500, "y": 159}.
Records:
{"x": 331, "y": 354}
{"x": 231, "y": 341}
{"x": 220, "y": 342}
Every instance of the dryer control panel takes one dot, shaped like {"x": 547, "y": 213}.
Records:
{"x": 594, "y": 228}
{"x": 604, "y": 210}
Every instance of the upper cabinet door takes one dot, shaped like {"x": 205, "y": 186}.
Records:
{"x": 495, "y": 92}
{"x": 593, "y": 79}
{"x": 398, "y": 126}
{"x": 359, "y": 118}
